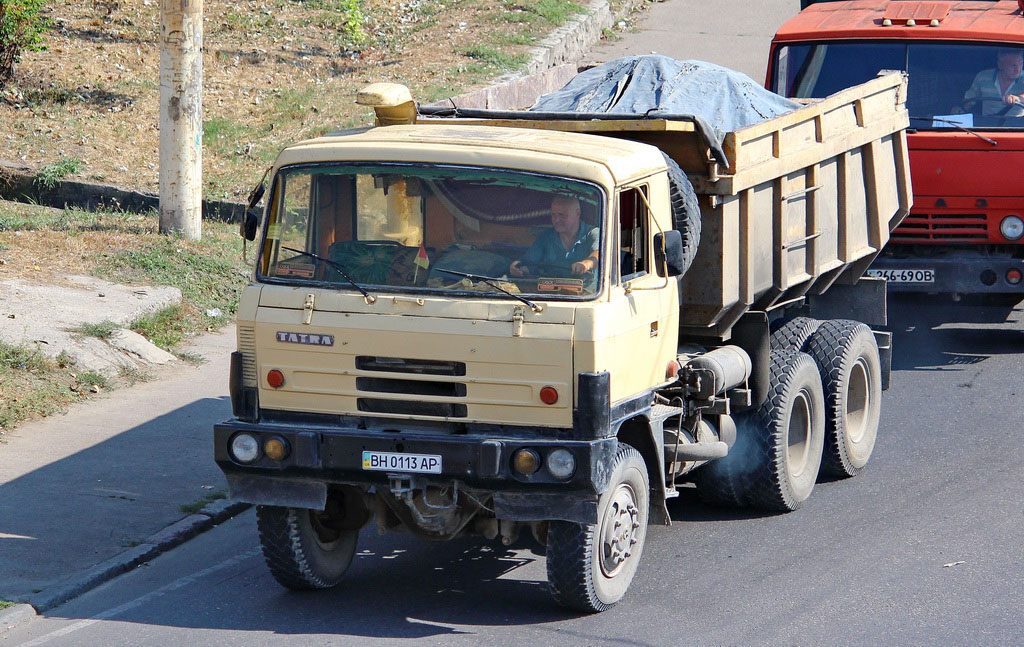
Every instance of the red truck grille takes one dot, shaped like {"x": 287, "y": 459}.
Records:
{"x": 941, "y": 227}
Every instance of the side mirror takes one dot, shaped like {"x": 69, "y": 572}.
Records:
{"x": 250, "y": 223}
{"x": 668, "y": 253}
{"x": 251, "y": 220}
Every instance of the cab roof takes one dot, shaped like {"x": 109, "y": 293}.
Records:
{"x": 523, "y": 148}
{"x": 863, "y": 19}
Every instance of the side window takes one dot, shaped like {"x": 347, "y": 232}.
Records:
{"x": 634, "y": 248}
{"x": 289, "y": 227}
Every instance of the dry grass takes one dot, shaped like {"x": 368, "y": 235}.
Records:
{"x": 275, "y": 71}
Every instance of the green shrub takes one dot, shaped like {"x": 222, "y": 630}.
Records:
{"x": 52, "y": 173}
{"x": 22, "y": 26}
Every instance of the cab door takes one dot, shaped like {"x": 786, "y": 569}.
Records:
{"x": 643, "y": 308}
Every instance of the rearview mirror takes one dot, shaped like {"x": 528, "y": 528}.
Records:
{"x": 668, "y": 253}
{"x": 250, "y": 223}
{"x": 251, "y": 220}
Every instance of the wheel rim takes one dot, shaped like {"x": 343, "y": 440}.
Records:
{"x": 858, "y": 402}
{"x": 324, "y": 536}
{"x": 798, "y": 445}
{"x": 619, "y": 530}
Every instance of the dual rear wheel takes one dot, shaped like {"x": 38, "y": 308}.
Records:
{"x": 820, "y": 417}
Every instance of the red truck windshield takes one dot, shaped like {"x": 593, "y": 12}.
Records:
{"x": 950, "y": 83}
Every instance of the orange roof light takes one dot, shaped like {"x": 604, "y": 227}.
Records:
{"x": 911, "y": 13}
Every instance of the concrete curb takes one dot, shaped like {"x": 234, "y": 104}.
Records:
{"x": 574, "y": 39}
{"x": 18, "y": 183}
{"x": 11, "y": 617}
{"x": 170, "y": 537}
{"x": 552, "y": 64}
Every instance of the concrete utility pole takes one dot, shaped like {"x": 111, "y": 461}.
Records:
{"x": 181, "y": 117}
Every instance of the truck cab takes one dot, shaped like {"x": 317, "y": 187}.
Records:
{"x": 965, "y": 233}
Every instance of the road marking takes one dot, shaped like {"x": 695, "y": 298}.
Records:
{"x": 139, "y": 601}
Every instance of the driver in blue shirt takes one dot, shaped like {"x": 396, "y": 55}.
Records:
{"x": 569, "y": 242}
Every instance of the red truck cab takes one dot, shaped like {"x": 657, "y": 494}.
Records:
{"x": 965, "y": 233}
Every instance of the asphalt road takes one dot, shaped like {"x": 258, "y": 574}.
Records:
{"x": 925, "y": 547}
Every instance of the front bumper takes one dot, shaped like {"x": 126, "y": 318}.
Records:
{"x": 321, "y": 456}
{"x": 966, "y": 273}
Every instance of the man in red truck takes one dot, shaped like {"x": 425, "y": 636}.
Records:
{"x": 965, "y": 233}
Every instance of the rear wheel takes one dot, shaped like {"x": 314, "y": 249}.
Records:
{"x": 774, "y": 463}
{"x": 305, "y": 549}
{"x": 789, "y": 434}
{"x": 794, "y": 333}
{"x": 590, "y": 566}
{"x": 847, "y": 358}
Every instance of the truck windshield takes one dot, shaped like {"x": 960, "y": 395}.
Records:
{"x": 950, "y": 84}
{"x": 393, "y": 227}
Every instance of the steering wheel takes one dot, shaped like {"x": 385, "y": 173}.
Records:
{"x": 560, "y": 271}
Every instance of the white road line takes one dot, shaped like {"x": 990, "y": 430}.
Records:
{"x": 139, "y": 601}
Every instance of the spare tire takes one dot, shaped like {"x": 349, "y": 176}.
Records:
{"x": 685, "y": 210}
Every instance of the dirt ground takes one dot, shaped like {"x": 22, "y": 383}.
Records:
{"x": 274, "y": 71}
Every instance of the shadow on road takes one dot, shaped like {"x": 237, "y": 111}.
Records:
{"x": 90, "y": 505}
{"x": 943, "y": 336}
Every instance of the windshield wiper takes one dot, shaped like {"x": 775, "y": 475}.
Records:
{"x": 489, "y": 280}
{"x": 341, "y": 270}
{"x": 958, "y": 127}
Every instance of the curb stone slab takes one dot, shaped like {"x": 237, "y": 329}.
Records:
{"x": 11, "y": 617}
{"x": 155, "y": 545}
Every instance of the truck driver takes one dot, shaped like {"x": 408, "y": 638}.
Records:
{"x": 997, "y": 90}
{"x": 568, "y": 243}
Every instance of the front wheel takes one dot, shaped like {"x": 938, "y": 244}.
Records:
{"x": 590, "y": 566}
{"x": 305, "y": 549}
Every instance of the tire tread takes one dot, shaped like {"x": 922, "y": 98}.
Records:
{"x": 570, "y": 554}
{"x": 282, "y": 548}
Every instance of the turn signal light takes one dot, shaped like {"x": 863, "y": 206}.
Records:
{"x": 548, "y": 395}
{"x": 275, "y": 379}
{"x": 526, "y": 461}
{"x": 1013, "y": 277}
{"x": 276, "y": 448}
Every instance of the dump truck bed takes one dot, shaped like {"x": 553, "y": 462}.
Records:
{"x": 789, "y": 206}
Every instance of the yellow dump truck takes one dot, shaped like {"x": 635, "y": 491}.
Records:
{"x": 502, "y": 322}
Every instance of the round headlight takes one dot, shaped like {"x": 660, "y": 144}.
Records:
{"x": 1012, "y": 227}
{"x": 245, "y": 448}
{"x": 561, "y": 464}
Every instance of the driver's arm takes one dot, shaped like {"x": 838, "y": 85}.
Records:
{"x": 534, "y": 254}
{"x": 586, "y": 265}
{"x": 593, "y": 244}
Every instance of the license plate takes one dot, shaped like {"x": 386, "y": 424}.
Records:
{"x": 392, "y": 462}
{"x": 905, "y": 276}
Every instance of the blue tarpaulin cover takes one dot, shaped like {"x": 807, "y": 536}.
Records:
{"x": 728, "y": 100}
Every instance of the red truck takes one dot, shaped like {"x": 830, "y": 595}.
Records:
{"x": 965, "y": 232}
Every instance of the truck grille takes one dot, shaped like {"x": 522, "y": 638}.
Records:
{"x": 944, "y": 227}
{"x": 418, "y": 366}
{"x": 412, "y": 408}
{"x": 410, "y": 387}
